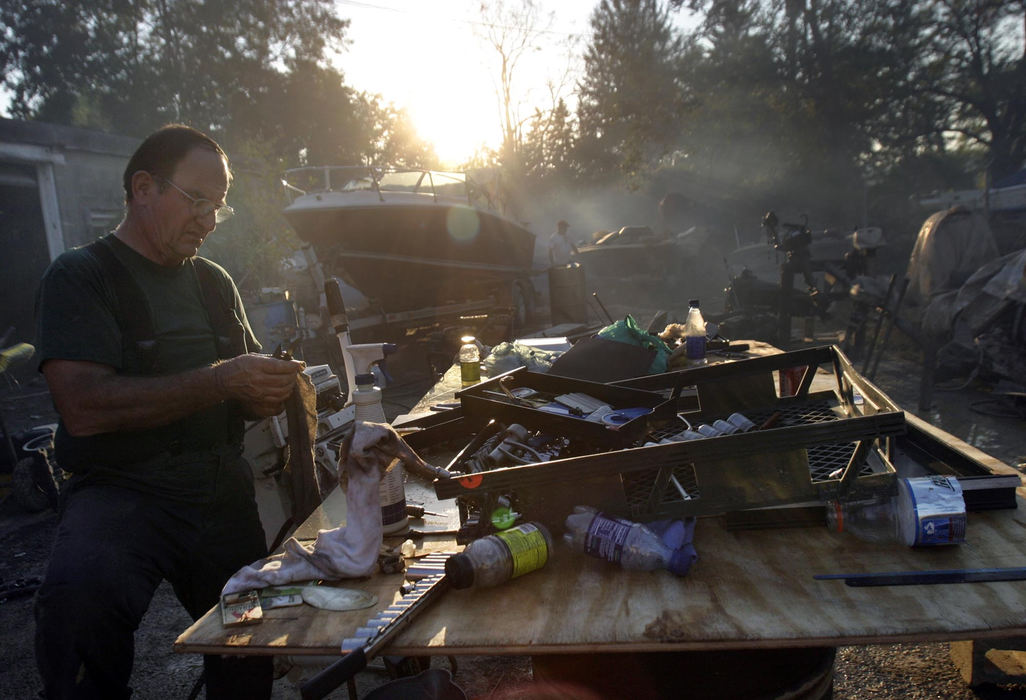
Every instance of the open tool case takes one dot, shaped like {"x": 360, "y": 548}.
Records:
{"x": 534, "y": 400}
{"x": 808, "y": 446}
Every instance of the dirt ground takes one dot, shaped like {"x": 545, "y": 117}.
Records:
{"x": 917, "y": 671}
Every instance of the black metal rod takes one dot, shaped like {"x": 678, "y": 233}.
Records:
{"x": 918, "y": 578}
{"x": 602, "y": 306}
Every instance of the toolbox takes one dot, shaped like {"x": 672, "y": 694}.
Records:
{"x": 806, "y": 445}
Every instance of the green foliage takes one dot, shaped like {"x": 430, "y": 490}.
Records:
{"x": 252, "y": 244}
{"x": 630, "y": 97}
{"x": 252, "y": 73}
{"x": 548, "y": 146}
{"x": 141, "y": 63}
{"x": 828, "y": 106}
{"x": 979, "y": 63}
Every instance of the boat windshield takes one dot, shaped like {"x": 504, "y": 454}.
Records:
{"x": 314, "y": 180}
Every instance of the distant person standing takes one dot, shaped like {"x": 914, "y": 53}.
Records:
{"x": 566, "y": 280}
{"x": 560, "y": 246}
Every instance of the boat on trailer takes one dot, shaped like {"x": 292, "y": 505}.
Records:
{"x": 410, "y": 239}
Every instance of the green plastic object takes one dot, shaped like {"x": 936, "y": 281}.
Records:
{"x": 628, "y": 331}
{"x": 503, "y": 518}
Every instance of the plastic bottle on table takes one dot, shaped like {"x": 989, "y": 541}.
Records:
{"x": 925, "y": 511}
{"x": 694, "y": 334}
{"x": 631, "y": 545}
{"x": 470, "y": 361}
{"x": 873, "y": 520}
{"x": 498, "y": 558}
{"x": 392, "y": 491}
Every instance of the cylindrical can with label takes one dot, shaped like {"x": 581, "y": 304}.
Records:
{"x": 931, "y": 511}
{"x": 392, "y": 494}
{"x": 725, "y": 427}
{"x": 741, "y": 422}
{"x": 497, "y": 558}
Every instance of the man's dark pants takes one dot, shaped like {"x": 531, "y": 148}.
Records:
{"x": 114, "y": 546}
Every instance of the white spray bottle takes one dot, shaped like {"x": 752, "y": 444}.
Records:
{"x": 366, "y": 399}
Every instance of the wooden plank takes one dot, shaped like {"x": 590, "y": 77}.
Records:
{"x": 751, "y": 589}
{"x": 998, "y": 661}
{"x": 748, "y": 589}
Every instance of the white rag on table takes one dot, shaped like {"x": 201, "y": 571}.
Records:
{"x": 349, "y": 551}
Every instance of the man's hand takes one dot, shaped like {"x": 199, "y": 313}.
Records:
{"x": 259, "y": 382}
{"x": 92, "y": 398}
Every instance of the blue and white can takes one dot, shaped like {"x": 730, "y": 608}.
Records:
{"x": 931, "y": 511}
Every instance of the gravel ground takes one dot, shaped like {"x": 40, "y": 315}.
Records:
{"x": 917, "y": 671}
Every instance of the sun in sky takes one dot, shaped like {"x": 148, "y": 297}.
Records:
{"x": 430, "y": 59}
{"x": 457, "y": 119}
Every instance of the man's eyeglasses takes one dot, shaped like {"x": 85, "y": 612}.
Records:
{"x": 203, "y": 207}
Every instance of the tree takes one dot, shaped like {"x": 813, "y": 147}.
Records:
{"x": 393, "y": 139}
{"x": 733, "y": 129}
{"x": 254, "y": 74}
{"x": 978, "y": 60}
{"x": 548, "y": 145}
{"x": 630, "y": 98}
{"x": 512, "y": 31}
{"x": 135, "y": 64}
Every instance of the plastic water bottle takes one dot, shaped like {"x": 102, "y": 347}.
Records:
{"x": 392, "y": 491}
{"x": 470, "y": 361}
{"x": 631, "y": 545}
{"x": 873, "y": 520}
{"x": 694, "y": 334}
{"x": 497, "y": 558}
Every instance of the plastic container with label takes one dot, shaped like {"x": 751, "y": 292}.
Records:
{"x": 926, "y": 511}
{"x": 392, "y": 490}
{"x": 498, "y": 558}
{"x": 631, "y": 545}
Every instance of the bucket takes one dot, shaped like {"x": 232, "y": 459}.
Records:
{"x": 567, "y": 303}
{"x": 931, "y": 511}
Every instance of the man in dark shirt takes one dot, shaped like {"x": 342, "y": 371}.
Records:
{"x": 151, "y": 379}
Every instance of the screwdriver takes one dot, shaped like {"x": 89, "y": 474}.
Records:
{"x": 417, "y": 511}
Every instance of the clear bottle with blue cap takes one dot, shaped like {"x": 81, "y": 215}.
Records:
{"x": 631, "y": 545}
{"x": 694, "y": 334}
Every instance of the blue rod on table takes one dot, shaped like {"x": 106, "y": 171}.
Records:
{"x": 916, "y": 578}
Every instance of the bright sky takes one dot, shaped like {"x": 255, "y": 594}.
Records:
{"x": 429, "y": 58}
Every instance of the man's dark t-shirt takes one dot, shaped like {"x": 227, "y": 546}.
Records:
{"x": 77, "y": 317}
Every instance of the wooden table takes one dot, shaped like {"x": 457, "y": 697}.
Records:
{"x": 749, "y": 589}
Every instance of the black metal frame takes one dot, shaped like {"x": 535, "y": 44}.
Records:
{"x": 714, "y": 475}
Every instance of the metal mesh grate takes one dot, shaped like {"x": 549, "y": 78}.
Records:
{"x": 824, "y": 459}
{"x": 637, "y": 487}
{"x": 806, "y": 413}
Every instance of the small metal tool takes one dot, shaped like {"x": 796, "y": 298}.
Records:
{"x": 415, "y": 510}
